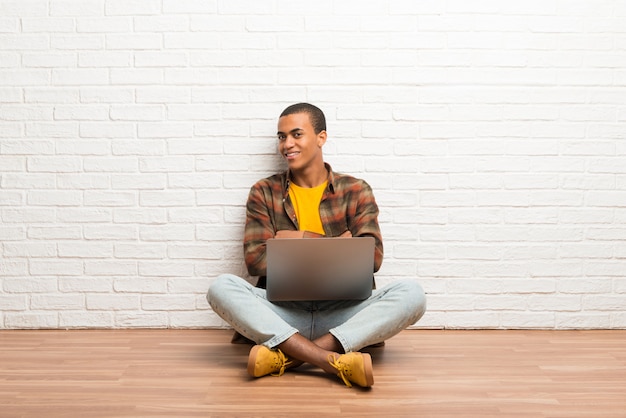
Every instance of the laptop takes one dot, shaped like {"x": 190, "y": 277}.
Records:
{"x": 311, "y": 269}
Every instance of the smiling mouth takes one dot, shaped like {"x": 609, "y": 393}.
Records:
{"x": 291, "y": 155}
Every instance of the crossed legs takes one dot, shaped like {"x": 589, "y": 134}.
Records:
{"x": 327, "y": 334}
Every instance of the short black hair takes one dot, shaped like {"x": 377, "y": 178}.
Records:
{"x": 318, "y": 120}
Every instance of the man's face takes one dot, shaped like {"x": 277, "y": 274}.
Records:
{"x": 298, "y": 143}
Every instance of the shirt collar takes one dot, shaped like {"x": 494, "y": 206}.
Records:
{"x": 331, "y": 180}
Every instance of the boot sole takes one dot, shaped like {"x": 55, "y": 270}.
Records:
{"x": 252, "y": 360}
{"x": 369, "y": 371}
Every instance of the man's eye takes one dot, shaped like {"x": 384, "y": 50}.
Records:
{"x": 281, "y": 137}
{"x": 297, "y": 135}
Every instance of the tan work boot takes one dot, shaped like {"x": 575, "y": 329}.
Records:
{"x": 354, "y": 367}
{"x": 263, "y": 361}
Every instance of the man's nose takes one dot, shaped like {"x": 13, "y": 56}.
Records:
{"x": 289, "y": 141}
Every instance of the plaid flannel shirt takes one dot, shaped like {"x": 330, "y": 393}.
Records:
{"x": 347, "y": 204}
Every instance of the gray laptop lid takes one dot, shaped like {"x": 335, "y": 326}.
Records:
{"x": 319, "y": 268}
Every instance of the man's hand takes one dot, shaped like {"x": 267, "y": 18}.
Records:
{"x": 289, "y": 234}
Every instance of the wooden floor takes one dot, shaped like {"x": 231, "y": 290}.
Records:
{"x": 419, "y": 373}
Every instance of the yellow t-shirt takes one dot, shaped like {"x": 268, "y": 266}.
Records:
{"x": 306, "y": 202}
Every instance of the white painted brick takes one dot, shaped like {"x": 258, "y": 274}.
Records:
{"x": 11, "y": 198}
{"x": 137, "y": 181}
{"x": 140, "y": 251}
{"x": 194, "y": 40}
{"x": 54, "y": 232}
{"x": 604, "y": 269}
{"x": 83, "y": 147}
{"x": 195, "y": 251}
{"x": 109, "y": 232}
{"x": 14, "y": 268}
{"x": 132, "y": 7}
{"x": 585, "y": 286}
{"x": 82, "y": 285}
{"x": 29, "y": 215}
{"x": 82, "y": 181}
{"x": 108, "y": 198}
{"x": 166, "y": 95}
{"x": 620, "y": 284}
{"x": 189, "y": 6}
{"x": 197, "y": 286}
{"x": 103, "y": 25}
{"x": 112, "y": 302}
{"x": 168, "y": 303}
{"x": 51, "y": 95}
{"x": 12, "y": 233}
{"x": 106, "y": 94}
{"x": 618, "y": 320}
{"x": 54, "y": 198}
{"x": 164, "y": 130}
{"x": 138, "y": 147}
{"x": 13, "y": 302}
{"x": 79, "y": 77}
{"x": 23, "y": 147}
{"x": 165, "y": 23}
{"x": 77, "y": 41}
{"x": 80, "y": 319}
{"x": 9, "y": 25}
{"x": 473, "y": 319}
{"x": 23, "y": 8}
{"x": 196, "y": 319}
{"x": 136, "y": 41}
{"x": 29, "y": 250}
{"x": 165, "y": 164}
{"x": 196, "y": 215}
{"x": 216, "y": 233}
{"x": 606, "y": 198}
{"x": 83, "y": 112}
{"x": 167, "y": 233}
{"x": 30, "y": 320}
{"x": 56, "y": 267}
{"x": 527, "y": 320}
{"x": 71, "y": 8}
{"x": 50, "y": 60}
{"x": 167, "y": 198}
{"x": 144, "y": 285}
{"x": 107, "y": 130}
{"x": 32, "y": 42}
{"x": 220, "y": 58}
{"x": 104, "y": 59}
{"x": 51, "y": 129}
{"x": 419, "y": 251}
{"x": 194, "y": 180}
{"x": 582, "y": 320}
{"x": 139, "y": 216}
{"x": 10, "y": 95}
{"x": 473, "y": 216}
{"x": 85, "y": 250}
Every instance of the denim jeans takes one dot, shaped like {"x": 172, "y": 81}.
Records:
{"x": 355, "y": 324}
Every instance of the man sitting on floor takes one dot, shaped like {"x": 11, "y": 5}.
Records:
{"x": 311, "y": 200}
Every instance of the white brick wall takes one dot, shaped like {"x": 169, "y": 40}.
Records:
{"x": 492, "y": 132}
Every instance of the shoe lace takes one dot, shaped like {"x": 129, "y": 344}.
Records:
{"x": 342, "y": 369}
{"x": 282, "y": 361}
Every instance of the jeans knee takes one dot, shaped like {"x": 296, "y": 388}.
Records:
{"x": 414, "y": 298}
{"x": 219, "y": 287}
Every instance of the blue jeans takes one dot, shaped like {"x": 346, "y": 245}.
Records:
{"x": 355, "y": 324}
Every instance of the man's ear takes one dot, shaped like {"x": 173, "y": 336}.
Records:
{"x": 321, "y": 138}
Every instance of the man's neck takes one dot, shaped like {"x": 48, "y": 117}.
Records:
{"x": 310, "y": 177}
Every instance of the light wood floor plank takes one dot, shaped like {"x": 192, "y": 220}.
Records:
{"x": 429, "y": 373}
